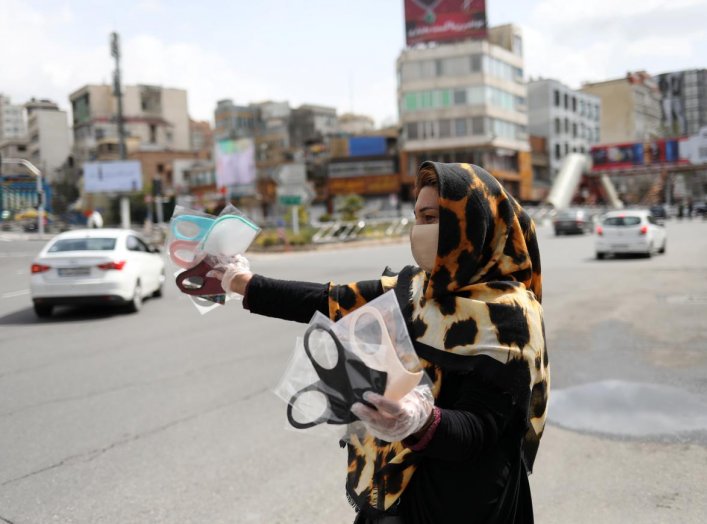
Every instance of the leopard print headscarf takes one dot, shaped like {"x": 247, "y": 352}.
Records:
{"x": 482, "y": 298}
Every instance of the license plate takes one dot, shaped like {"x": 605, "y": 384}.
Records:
{"x": 620, "y": 246}
{"x": 74, "y": 271}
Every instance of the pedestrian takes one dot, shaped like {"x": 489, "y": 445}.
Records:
{"x": 472, "y": 305}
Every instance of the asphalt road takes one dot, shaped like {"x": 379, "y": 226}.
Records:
{"x": 169, "y": 416}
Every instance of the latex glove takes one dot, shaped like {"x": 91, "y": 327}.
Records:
{"x": 395, "y": 421}
{"x": 228, "y": 269}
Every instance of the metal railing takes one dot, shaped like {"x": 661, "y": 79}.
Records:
{"x": 345, "y": 231}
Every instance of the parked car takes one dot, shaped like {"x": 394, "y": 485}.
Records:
{"x": 630, "y": 231}
{"x": 95, "y": 266}
{"x": 572, "y": 221}
{"x": 659, "y": 211}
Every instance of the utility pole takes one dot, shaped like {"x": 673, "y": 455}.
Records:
{"x": 117, "y": 91}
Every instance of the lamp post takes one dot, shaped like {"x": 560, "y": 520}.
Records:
{"x": 40, "y": 190}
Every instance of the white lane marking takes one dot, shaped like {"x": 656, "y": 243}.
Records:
{"x": 15, "y": 293}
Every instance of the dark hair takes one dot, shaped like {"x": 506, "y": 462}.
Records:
{"x": 426, "y": 176}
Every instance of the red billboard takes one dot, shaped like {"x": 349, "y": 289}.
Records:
{"x": 444, "y": 20}
{"x": 639, "y": 154}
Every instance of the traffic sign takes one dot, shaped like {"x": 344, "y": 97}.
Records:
{"x": 290, "y": 200}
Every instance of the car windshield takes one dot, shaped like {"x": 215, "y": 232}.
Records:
{"x": 83, "y": 244}
{"x": 569, "y": 214}
{"x": 622, "y": 221}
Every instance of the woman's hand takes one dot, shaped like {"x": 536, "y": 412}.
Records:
{"x": 393, "y": 421}
{"x": 234, "y": 274}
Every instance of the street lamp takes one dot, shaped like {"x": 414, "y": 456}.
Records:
{"x": 40, "y": 190}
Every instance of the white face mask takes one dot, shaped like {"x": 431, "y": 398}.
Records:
{"x": 423, "y": 242}
{"x": 381, "y": 356}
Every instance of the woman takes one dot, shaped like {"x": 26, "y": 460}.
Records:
{"x": 473, "y": 311}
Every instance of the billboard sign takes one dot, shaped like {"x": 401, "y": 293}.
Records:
{"x": 235, "y": 162}
{"x": 639, "y": 154}
{"x": 671, "y": 102}
{"x": 112, "y": 177}
{"x": 444, "y": 20}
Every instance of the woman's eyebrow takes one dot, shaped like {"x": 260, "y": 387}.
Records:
{"x": 426, "y": 208}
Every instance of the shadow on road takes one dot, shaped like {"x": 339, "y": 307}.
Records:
{"x": 61, "y": 314}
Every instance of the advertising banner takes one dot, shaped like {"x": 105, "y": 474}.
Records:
{"x": 639, "y": 154}
{"x": 112, "y": 177}
{"x": 235, "y": 162}
{"x": 444, "y": 20}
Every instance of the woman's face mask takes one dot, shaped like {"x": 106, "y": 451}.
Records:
{"x": 424, "y": 235}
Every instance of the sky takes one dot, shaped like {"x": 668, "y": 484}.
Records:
{"x": 328, "y": 52}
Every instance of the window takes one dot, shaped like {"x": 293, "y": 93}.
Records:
{"x": 596, "y": 134}
{"x": 581, "y": 107}
{"x": 558, "y": 126}
{"x": 153, "y": 134}
{"x": 567, "y": 101}
{"x": 410, "y": 102}
{"x": 477, "y": 125}
{"x": 574, "y": 129}
{"x": 445, "y": 128}
{"x": 567, "y": 126}
{"x": 411, "y": 131}
{"x": 475, "y": 63}
{"x": 459, "y": 97}
{"x": 557, "y": 98}
{"x": 439, "y": 68}
{"x": 135, "y": 244}
{"x": 567, "y": 148}
{"x": 460, "y": 127}
{"x": 574, "y": 104}
{"x": 517, "y": 45}
{"x": 83, "y": 244}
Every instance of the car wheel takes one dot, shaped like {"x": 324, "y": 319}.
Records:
{"x": 600, "y": 256}
{"x": 135, "y": 304}
{"x": 43, "y": 310}
{"x": 649, "y": 253}
{"x": 662, "y": 249}
{"x": 157, "y": 293}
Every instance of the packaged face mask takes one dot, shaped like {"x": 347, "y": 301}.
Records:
{"x": 350, "y": 357}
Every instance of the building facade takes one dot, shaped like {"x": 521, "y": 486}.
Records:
{"x": 234, "y": 121}
{"x": 12, "y": 122}
{"x": 683, "y": 101}
{"x": 568, "y": 120}
{"x": 156, "y": 118}
{"x": 352, "y": 124}
{"x": 467, "y": 102}
{"x": 630, "y": 108}
{"x": 312, "y": 123}
{"x": 48, "y": 137}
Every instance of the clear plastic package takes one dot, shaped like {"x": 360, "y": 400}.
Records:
{"x": 334, "y": 363}
{"x": 197, "y": 242}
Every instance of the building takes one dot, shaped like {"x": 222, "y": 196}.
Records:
{"x": 234, "y": 121}
{"x": 466, "y": 102}
{"x": 12, "y": 122}
{"x": 312, "y": 123}
{"x": 568, "y": 120}
{"x": 48, "y": 137}
{"x": 683, "y": 101}
{"x": 540, "y": 164}
{"x": 351, "y": 124}
{"x": 630, "y": 107}
{"x": 201, "y": 138}
{"x": 156, "y": 117}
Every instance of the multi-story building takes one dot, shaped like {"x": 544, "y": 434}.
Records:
{"x": 683, "y": 101}
{"x": 48, "y": 137}
{"x": 567, "y": 119}
{"x": 12, "y": 122}
{"x": 312, "y": 123}
{"x": 466, "y": 102}
{"x": 201, "y": 138}
{"x": 352, "y": 124}
{"x": 234, "y": 121}
{"x": 157, "y": 117}
{"x": 630, "y": 107}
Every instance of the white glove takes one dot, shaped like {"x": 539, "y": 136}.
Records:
{"x": 394, "y": 421}
{"x": 229, "y": 268}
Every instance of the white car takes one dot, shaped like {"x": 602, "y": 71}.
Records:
{"x": 629, "y": 231}
{"x": 95, "y": 266}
